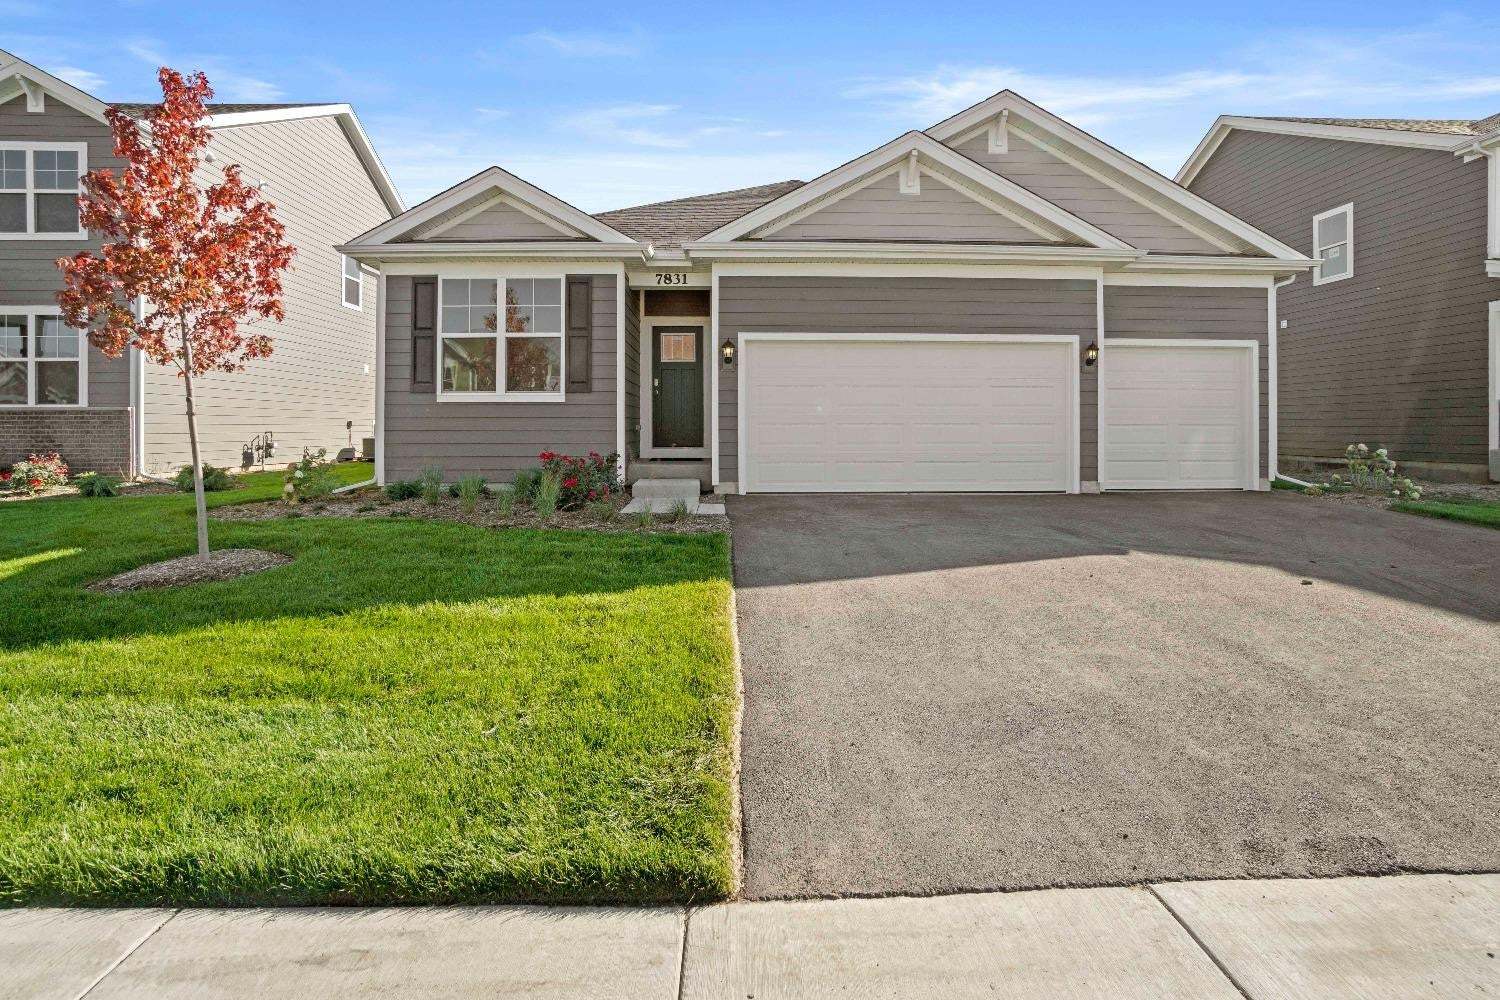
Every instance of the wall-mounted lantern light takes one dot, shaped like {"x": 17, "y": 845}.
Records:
{"x": 1091, "y": 355}
{"x": 726, "y": 349}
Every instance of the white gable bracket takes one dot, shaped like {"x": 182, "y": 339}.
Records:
{"x": 999, "y": 133}
{"x": 911, "y": 175}
{"x": 36, "y": 97}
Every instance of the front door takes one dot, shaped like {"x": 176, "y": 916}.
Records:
{"x": 677, "y": 387}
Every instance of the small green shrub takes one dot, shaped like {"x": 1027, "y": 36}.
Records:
{"x": 548, "y": 490}
{"x": 644, "y": 519}
{"x": 595, "y": 477}
{"x": 432, "y": 484}
{"x": 1374, "y": 472}
{"x": 215, "y": 479}
{"x": 403, "y": 489}
{"x": 679, "y": 512}
{"x": 365, "y": 508}
{"x": 36, "y": 473}
{"x": 309, "y": 479}
{"x": 602, "y": 511}
{"x": 94, "y": 484}
{"x": 524, "y": 485}
{"x": 469, "y": 490}
{"x": 506, "y": 503}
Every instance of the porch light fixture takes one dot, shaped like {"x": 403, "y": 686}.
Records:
{"x": 726, "y": 349}
{"x": 1091, "y": 355}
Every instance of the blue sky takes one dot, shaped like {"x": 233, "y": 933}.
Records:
{"x": 618, "y": 104}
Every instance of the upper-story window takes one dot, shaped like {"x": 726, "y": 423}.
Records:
{"x": 41, "y": 359}
{"x": 353, "y": 282}
{"x": 1333, "y": 244}
{"x": 39, "y": 189}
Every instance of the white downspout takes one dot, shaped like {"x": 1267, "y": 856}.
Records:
{"x": 1273, "y": 422}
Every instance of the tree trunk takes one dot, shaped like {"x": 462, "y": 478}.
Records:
{"x": 192, "y": 419}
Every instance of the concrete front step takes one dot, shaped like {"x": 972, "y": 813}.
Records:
{"x": 669, "y": 468}
{"x": 668, "y": 489}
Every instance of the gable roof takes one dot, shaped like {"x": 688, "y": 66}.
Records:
{"x": 1003, "y": 195}
{"x": 1136, "y": 179}
{"x": 672, "y": 223}
{"x": 19, "y": 76}
{"x": 1446, "y": 134}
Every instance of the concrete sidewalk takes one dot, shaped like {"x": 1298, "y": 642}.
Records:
{"x": 1401, "y": 936}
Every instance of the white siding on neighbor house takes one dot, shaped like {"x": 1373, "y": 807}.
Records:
{"x": 879, "y": 211}
{"x": 322, "y": 371}
{"x": 1086, "y": 197}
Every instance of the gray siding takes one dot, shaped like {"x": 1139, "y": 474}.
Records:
{"x": 879, "y": 211}
{"x": 1070, "y": 188}
{"x": 499, "y": 222}
{"x": 633, "y": 373}
{"x": 1395, "y": 355}
{"x": 28, "y": 272}
{"x": 996, "y": 306}
{"x": 493, "y": 440}
{"x": 321, "y": 373}
{"x": 1195, "y": 314}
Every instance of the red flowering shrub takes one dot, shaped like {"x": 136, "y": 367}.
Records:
{"x": 37, "y": 473}
{"x": 595, "y": 477}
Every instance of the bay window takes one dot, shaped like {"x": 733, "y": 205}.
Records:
{"x": 512, "y": 354}
{"x": 39, "y": 187}
{"x": 42, "y": 360}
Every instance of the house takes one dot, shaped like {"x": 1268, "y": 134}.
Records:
{"x": 127, "y": 415}
{"x": 1001, "y": 302}
{"x": 1395, "y": 340}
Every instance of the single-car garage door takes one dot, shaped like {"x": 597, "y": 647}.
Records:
{"x": 1178, "y": 416}
{"x": 880, "y": 414}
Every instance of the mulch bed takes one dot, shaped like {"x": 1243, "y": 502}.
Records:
{"x": 1431, "y": 492}
{"x": 222, "y": 564}
{"x": 373, "y": 503}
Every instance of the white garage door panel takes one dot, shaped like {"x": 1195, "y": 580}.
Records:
{"x": 1177, "y": 417}
{"x": 875, "y": 415}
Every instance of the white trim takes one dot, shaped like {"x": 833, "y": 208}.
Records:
{"x": 14, "y": 70}
{"x": 623, "y": 460}
{"x": 490, "y": 177}
{"x": 502, "y": 198}
{"x": 914, "y": 269}
{"x": 647, "y": 404}
{"x": 1175, "y": 263}
{"x": 1107, "y": 154}
{"x": 344, "y": 277}
{"x": 32, "y": 314}
{"x": 713, "y": 387}
{"x": 1493, "y": 212}
{"x": 569, "y": 250}
{"x": 490, "y": 266}
{"x": 896, "y": 151}
{"x": 1071, "y": 342}
{"x": 1156, "y": 279}
{"x": 500, "y": 335}
{"x": 1346, "y": 210}
{"x": 1226, "y": 124}
{"x": 794, "y": 250}
{"x": 31, "y": 148}
{"x": 1273, "y": 378}
{"x": 380, "y": 306}
{"x": 1494, "y": 381}
{"x": 1252, "y": 473}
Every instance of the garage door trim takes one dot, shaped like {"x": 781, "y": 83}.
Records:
{"x": 1252, "y": 462}
{"x": 1070, "y": 342}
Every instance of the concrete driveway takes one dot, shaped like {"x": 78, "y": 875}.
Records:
{"x": 947, "y": 693}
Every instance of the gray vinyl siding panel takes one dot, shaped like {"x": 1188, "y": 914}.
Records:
{"x": 322, "y": 370}
{"x": 633, "y": 374}
{"x": 28, "y": 272}
{"x": 879, "y": 211}
{"x": 492, "y": 439}
{"x": 1069, "y": 188}
{"x": 998, "y": 306}
{"x": 499, "y": 222}
{"x": 1150, "y": 313}
{"x": 1395, "y": 355}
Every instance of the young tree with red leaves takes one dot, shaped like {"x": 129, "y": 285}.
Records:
{"x": 199, "y": 261}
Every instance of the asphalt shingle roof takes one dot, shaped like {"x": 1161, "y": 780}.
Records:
{"x": 1441, "y": 126}
{"x": 672, "y": 223}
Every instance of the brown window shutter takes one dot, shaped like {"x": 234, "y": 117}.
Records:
{"x": 423, "y": 334}
{"x": 580, "y": 334}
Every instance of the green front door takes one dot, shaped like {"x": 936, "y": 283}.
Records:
{"x": 677, "y": 387}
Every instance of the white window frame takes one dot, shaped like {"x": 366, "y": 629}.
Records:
{"x": 359, "y": 273}
{"x": 1346, "y": 210}
{"x": 33, "y": 314}
{"x": 31, "y": 149}
{"x": 501, "y": 395}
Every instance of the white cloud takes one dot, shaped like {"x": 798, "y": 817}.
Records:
{"x": 491, "y": 114}
{"x": 622, "y": 122}
{"x": 83, "y": 79}
{"x": 584, "y": 45}
{"x": 228, "y": 84}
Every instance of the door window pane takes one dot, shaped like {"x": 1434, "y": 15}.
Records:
{"x": 533, "y": 364}
{"x": 469, "y": 364}
{"x": 679, "y": 347}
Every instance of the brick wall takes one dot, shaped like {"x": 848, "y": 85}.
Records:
{"x": 96, "y": 439}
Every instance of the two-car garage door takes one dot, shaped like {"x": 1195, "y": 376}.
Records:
{"x": 866, "y": 414}
{"x": 852, "y": 413}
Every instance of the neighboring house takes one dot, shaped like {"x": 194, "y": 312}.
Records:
{"x": 1395, "y": 340}
{"x": 127, "y": 415}
{"x": 1002, "y": 302}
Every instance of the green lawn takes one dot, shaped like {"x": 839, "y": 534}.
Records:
{"x": 1486, "y": 514}
{"x": 411, "y": 712}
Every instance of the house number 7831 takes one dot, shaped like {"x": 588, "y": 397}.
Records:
{"x": 671, "y": 277}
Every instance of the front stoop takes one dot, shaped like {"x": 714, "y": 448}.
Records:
{"x": 669, "y": 489}
{"x": 666, "y": 505}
